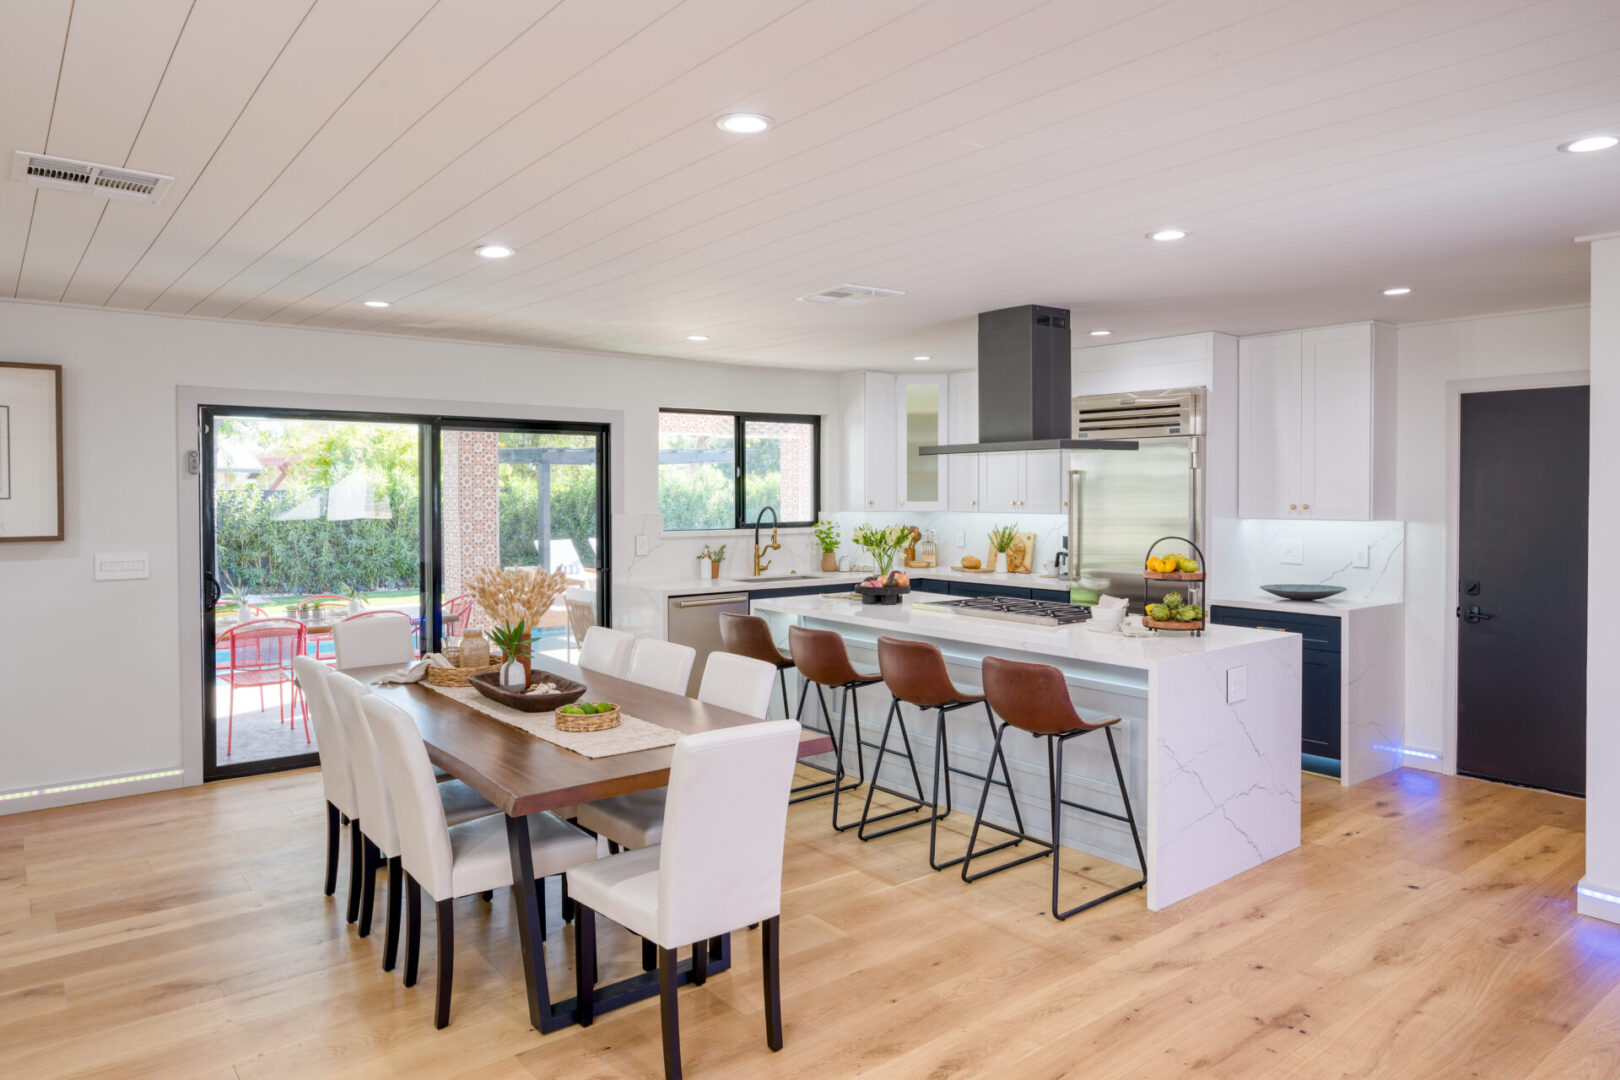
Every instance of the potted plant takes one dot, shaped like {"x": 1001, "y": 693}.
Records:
{"x": 1001, "y": 538}
{"x": 357, "y": 599}
{"x": 715, "y": 556}
{"x": 515, "y": 644}
{"x": 827, "y": 536}
{"x": 238, "y": 599}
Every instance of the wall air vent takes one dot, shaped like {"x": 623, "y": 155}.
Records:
{"x": 65, "y": 174}
{"x": 851, "y": 295}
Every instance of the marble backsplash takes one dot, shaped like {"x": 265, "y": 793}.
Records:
{"x": 959, "y": 534}
{"x": 675, "y": 557}
{"x": 1327, "y": 551}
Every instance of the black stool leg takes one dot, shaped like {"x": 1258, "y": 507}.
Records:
{"x": 1125, "y": 797}
{"x": 835, "y": 781}
{"x": 781, "y": 677}
{"x": 877, "y": 774}
{"x": 978, "y": 820}
{"x": 1057, "y": 808}
{"x": 1006, "y": 775}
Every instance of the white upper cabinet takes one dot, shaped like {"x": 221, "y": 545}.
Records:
{"x": 920, "y": 419}
{"x": 1043, "y": 482}
{"x": 1022, "y": 481}
{"x": 1316, "y": 424}
{"x": 962, "y": 473}
{"x": 866, "y": 401}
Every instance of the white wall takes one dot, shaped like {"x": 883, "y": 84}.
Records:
{"x": 1433, "y": 356}
{"x": 124, "y": 482}
{"x": 1602, "y": 635}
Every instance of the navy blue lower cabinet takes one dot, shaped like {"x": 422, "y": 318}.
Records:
{"x": 973, "y": 588}
{"x": 1320, "y": 697}
{"x": 1057, "y": 596}
{"x": 933, "y": 585}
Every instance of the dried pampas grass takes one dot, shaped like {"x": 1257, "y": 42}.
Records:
{"x": 513, "y": 596}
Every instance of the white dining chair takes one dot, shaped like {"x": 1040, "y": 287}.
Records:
{"x": 606, "y": 650}
{"x": 379, "y": 835}
{"x": 636, "y": 820}
{"x": 373, "y": 639}
{"x": 452, "y": 861}
{"x": 662, "y": 665}
{"x": 719, "y": 869}
{"x": 337, "y": 780}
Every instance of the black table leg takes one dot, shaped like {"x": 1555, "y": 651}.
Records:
{"x": 529, "y": 929}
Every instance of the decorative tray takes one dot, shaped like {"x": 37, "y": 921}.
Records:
{"x": 568, "y": 691}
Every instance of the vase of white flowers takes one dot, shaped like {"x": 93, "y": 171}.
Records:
{"x": 883, "y": 543}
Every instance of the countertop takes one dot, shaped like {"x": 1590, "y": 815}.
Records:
{"x": 1333, "y": 606}
{"x": 915, "y": 616}
{"x": 668, "y": 587}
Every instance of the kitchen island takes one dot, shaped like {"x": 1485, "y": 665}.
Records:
{"x": 1210, "y": 732}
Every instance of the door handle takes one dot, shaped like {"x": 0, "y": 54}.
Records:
{"x": 211, "y": 591}
{"x": 715, "y": 602}
{"x": 1473, "y": 614}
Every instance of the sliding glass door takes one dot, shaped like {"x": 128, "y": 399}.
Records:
{"x": 313, "y": 517}
{"x": 518, "y": 496}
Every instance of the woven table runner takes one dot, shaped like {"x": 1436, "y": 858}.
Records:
{"x": 631, "y": 734}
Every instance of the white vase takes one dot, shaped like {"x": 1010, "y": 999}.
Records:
{"x": 1001, "y": 562}
{"x": 512, "y": 674}
{"x": 355, "y": 606}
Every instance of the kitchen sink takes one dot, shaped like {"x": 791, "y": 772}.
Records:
{"x": 784, "y": 575}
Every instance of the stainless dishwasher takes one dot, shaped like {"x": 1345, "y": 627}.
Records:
{"x": 695, "y": 621}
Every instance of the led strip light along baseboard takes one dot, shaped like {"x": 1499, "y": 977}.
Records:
{"x": 58, "y": 789}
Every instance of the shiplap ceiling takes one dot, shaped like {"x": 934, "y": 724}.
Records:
{"x": 975, "y": 155}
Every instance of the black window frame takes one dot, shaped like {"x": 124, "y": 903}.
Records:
{"x": 739, "y": 480}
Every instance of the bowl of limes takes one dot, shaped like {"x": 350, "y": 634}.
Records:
{"x": 588, "y": 716}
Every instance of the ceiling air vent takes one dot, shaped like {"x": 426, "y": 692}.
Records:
{"x": 851, "y": 295}
{"x": 65, "y": 174}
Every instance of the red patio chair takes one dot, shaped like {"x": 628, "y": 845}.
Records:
{"x": 261, "y": 654}
{"x": 457, "y": 613}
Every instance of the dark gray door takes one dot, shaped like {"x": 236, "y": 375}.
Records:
{"x": 1521, "y": 632}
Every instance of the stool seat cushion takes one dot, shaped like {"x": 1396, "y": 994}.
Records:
{"x": 624, "y": 888}
{"x": 635, "y": 820}
{"x": 481, "y": 860}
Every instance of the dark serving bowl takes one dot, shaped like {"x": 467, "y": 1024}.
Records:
{"x": 888, "y": 594}
{"x": 568, "y": 691}
{"x": 1297, "y": 592}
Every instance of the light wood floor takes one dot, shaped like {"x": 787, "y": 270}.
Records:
{"x": 1425, "y": 929}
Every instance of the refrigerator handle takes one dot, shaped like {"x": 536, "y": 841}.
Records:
{"x": 1195, "y": 484}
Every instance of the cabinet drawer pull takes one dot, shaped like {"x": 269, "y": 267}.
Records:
{"x": 1307, "y": 506}
{"x": 1291, "y": 506}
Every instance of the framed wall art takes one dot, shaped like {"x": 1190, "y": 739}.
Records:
{"x": 30, "y": 452}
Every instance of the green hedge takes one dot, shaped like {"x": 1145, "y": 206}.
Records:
{"x": 267, "y": 557}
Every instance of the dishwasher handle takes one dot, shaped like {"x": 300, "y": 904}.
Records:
{"x": 713, "y": 601}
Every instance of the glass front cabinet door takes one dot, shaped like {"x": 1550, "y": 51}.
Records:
{"x": 921, "y": 410}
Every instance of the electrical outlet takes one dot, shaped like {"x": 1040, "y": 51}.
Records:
{"x": 641, "y": 545}
{"x": 1293, "y": 552}
{"x": 1358, "y": 557}
{"x": 1237, "y": 685}
{"x": 961, "y": 538}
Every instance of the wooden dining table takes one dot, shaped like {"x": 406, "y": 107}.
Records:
{"x": 524, "y": 775}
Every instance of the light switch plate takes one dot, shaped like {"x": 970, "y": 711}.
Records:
{"x": 123, "y": 566}
{"x": 961, "y": 538}
{"x": 1293, "y": 552}
{"x": 641, "y": 545}
{"x": 1237, "y": 685}
{"x": 1358, "y": 557}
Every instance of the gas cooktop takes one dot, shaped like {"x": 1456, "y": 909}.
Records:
{"x": 1037, "y": 612}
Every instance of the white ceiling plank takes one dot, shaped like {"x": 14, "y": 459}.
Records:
{"x": 33, "y": 35}
{"x": 328, "y": 56}
{"x": 116, "y": 54}
{"x": 226, "y": 49}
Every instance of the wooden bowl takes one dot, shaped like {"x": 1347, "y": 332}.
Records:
{"x": 1171, "y": 624}
{"x": 1173, "y": 575}
{"x": 568, "y": 691}
{"x": 601, "y": 721}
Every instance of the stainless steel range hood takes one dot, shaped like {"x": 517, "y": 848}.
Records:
{"x": 1024, "y": 386}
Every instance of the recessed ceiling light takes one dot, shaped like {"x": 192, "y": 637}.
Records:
{"x": 1399, "y": 290}
{"x": 697, "y": 337}
{"x": 922, "y": 359}
{"x": 378, "y": 303}
{"x": 1589, "y": 144}
{"x": 1168, "y": 234}
{"x": 743, "y": 123}
{"x": 494, "y": 251}
{"x": 1101, "y": 333}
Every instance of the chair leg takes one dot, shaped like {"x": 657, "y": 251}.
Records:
{"x": 567, "y": 903}
{"x": 613, "y": 849}
{"x": 1125, "y": 797}
{"x": 413, "y": 928}
{"x": 584, "y": 964}
{"x": 978, "y": 822}
{"x": 356, "y": 842}
{"x": 447, "y": 961}
{"x": 391, "y": 942}
{"x": 771, "y": 951}
{"x": 649, "y": 955}
{"x": 332, "y": 831}
{"x": 700, "y": 963}
{"x": 1056, "y": 765}
{"x": 836, "y": 776}
{"x": 877, "y": 775}
{"x": 781, "y": 677}
{"x": 1006, "y": 774}
{"x": 368, "y": 883}
{"x": 669, "y": 1013}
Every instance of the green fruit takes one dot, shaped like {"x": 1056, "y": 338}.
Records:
{"x": 1158, "y": 612}
{"x": 1189, "y": 613}
{"x": 601, "y": 707}
{"x": 1187, "y": 566}
{"x": 1172, "y": 600}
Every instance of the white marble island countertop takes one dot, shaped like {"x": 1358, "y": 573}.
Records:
{"x": 920, "y": 615}
{"x": 1333, "y": 606}
{"x": 833, "y": 581}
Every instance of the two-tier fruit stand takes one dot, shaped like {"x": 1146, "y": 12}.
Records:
{"x": 1195, "y": 587}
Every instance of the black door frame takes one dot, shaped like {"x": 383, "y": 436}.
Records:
{"x": 430, "y": 568}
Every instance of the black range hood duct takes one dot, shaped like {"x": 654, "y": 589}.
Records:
{"x": 1024, "y": 399}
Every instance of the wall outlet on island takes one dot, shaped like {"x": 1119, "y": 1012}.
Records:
{"x": 1237, "y": 685}
{"x": 1293, "y": 552}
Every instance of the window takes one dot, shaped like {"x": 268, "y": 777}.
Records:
{"x": 719, "y": 470}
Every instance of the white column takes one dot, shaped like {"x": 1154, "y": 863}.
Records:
{"x": 1600, "y": 888}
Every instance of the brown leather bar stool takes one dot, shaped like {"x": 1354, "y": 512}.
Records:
{"x": 915, "y": 673}
{"x": 824, "y": 662}
{"x": 750, "y": 636}
{"x": 1035, "y": 698}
